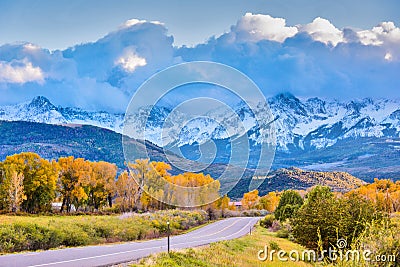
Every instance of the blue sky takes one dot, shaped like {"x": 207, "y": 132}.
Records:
{"x": 95, "y": 54}
{"x": 63, "y": 23}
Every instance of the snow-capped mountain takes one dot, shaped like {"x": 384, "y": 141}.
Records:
{"x": 299, "y": 124}
{"x": 41, "y": 110}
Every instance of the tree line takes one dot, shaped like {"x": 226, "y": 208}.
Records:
{"x": 384, "y": 194}
{"x": 31, "y": 184}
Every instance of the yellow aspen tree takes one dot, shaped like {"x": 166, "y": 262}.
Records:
{"x": 250, "y": 199}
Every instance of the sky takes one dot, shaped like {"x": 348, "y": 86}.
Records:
{"x": 95, "y": 54}
{"x": 64, "y": 23}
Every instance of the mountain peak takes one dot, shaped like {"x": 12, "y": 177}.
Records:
{"x": 315, "y": 105}
{"x": 41, "y": 101}
{"x": 287, "y": 101}
{"x": 286, "y": 95}
{"x": 286, "y": 98}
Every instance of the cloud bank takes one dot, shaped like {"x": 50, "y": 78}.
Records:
{"x": 20, "y": 71}
{"x": 314, "y": 59}
{"x": 254, "y": 28}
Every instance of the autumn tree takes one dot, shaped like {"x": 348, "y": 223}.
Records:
{"x": 11, "y": 188}
{"x": 222, "y": 203}
{"x": 39, "y": 182}
{"x": 384, "y": 193}
{"x": 269, "y": 202}
{"x": 140, "y": 171}
{"x": 157, "y": 186}
{"x": 101, "y": 184}
{"x": 250, "y": 199}
{"x": 126, "y": 189}
{"x": 190, "y": 189}
{"x": 74, "y": 175}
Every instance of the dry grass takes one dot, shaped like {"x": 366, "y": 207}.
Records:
{"x": 233, "y": 253}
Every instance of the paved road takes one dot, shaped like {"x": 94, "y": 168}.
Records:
{"x": 111, "y": 254}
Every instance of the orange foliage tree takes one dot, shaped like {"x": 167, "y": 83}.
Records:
{"x": 385, "y": 194}
{"x": 250, "y": 199}
{"x": 269, "y": 202}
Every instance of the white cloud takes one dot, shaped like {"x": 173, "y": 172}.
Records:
{"x": 385, "y": 35}
{"x": 20, "y": 71}
{"x": 130, "y": 60}
{"x": 386, "y": 32}
{"x": 31, "y": 47}
{"x": 369, "y": 37}
{"x": 388, "y": 56}
{"x": 324, "y": 31}
{"x": 256, "y": 27}
{"x": 133, "y": 22}
{"x": 343, "y": 68}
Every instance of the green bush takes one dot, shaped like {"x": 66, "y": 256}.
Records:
{"x": 325, "y": 218}
{"x": 289, "y": 203}
{"x": 267, "y": 221}
{"x": 75, "y": 236}
{"x": 11, "y": 238}
{"x": 285, "y": 230}
{"x": 19, "y": 237}
{"x": 274, "y": 246}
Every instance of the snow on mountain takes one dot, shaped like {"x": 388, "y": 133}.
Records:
{"x": 41, "y": 110}
{"x": 299, "y": 124}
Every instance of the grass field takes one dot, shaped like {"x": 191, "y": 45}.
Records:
{"x": 20, "y": 233}
{"x": 236, "y": 253}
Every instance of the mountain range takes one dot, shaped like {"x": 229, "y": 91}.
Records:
{"x": 300, "y": 125}
{"x": 359, "y": 136}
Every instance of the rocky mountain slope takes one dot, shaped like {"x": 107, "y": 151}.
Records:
{"x": 295, "y": 178}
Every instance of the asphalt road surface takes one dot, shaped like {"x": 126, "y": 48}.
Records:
{"x": 105, "y": 255}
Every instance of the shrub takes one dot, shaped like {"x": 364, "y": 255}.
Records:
{"x": 267, "y": 221}
{"x": 232, "y": 213}
{"x": 75, "y": 236}
{"x": 212, "y": 214}
{"x": 285, "y": 231}
{"x": 274, "y": 246}
{"x": 251, "y": 213}
{"x": 276, "y": 226}
{"x": 11, "y": 239}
